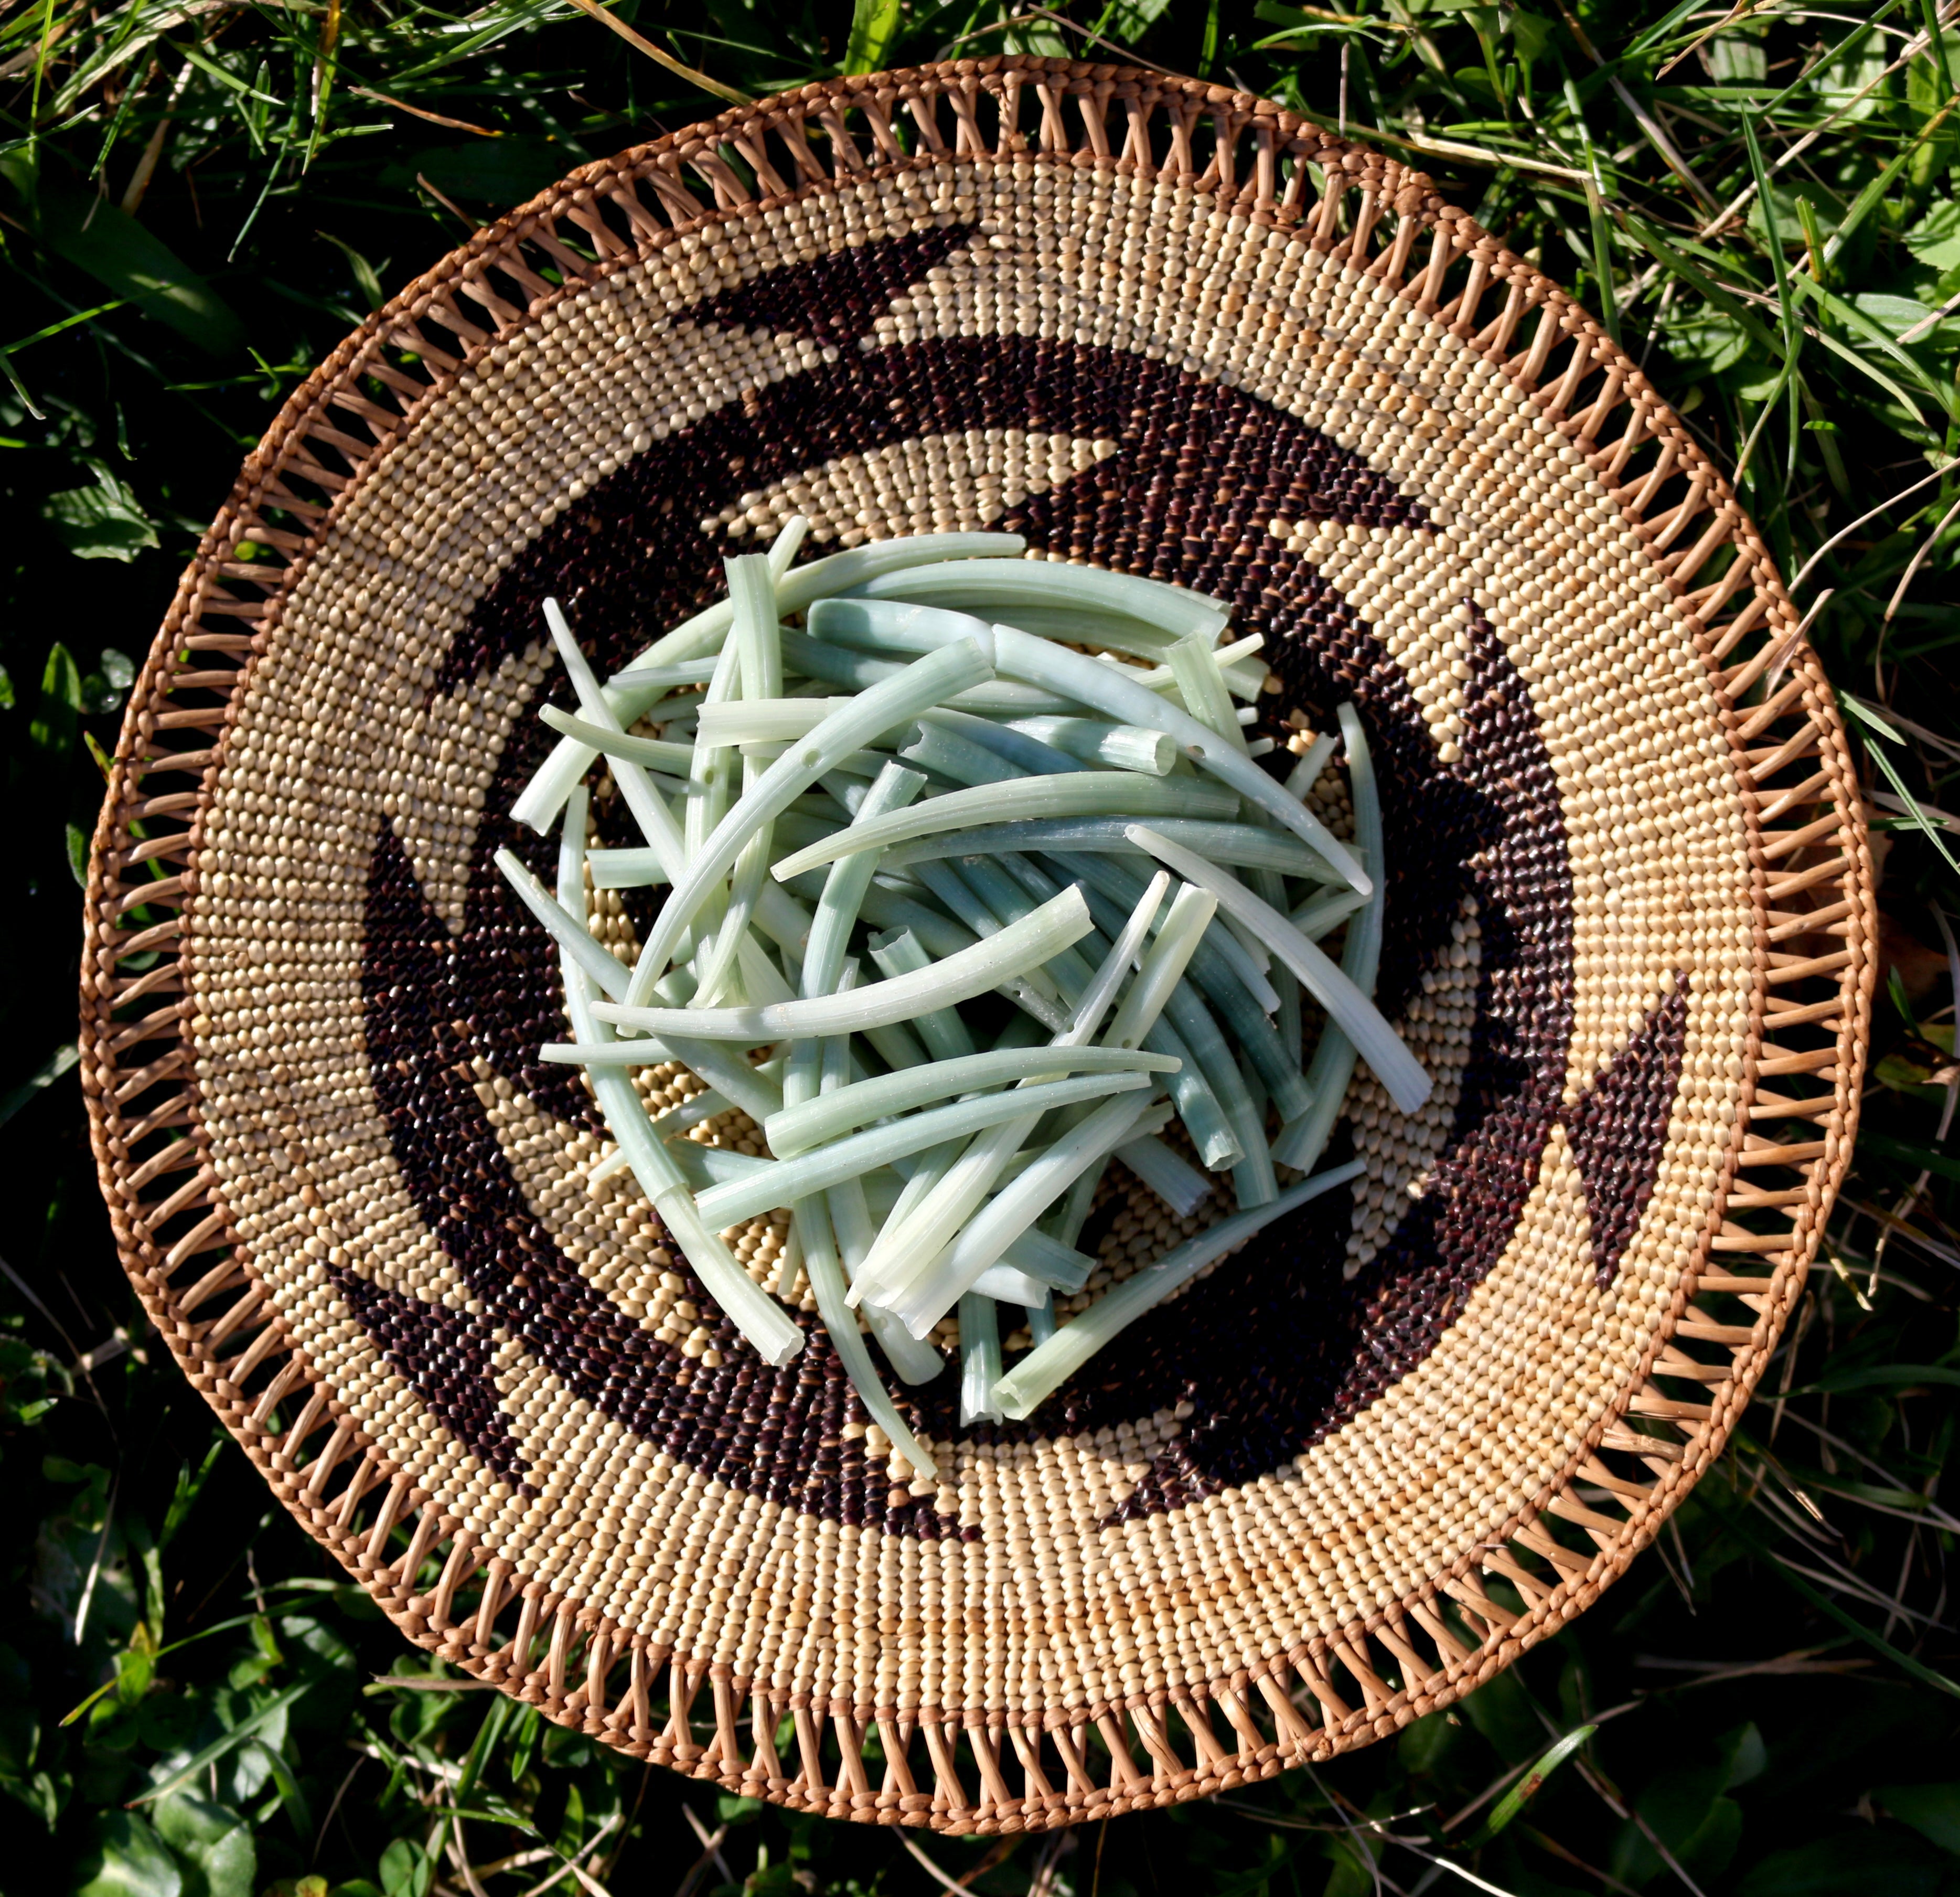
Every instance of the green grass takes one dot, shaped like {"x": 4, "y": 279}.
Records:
{"x": 1771, "y": 1689}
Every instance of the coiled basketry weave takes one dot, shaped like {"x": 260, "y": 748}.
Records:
{"x": 1370, "y": 1458}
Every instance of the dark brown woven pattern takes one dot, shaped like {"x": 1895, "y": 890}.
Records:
{"x": 1346, "y": 1474}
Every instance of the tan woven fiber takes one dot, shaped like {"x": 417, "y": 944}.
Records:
{"x": 1358, "y": 1466}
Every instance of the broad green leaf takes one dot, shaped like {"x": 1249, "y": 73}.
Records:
{"x": 1714, "y": 1845}
{"x": 51, "y": 732}
{"x": 1909, "y": 1070}
{"x": 135, "y": 1666}
{"x": 252, "y": 1767}
{"x": 103, "y": 522}
{"x": 1895, "y": 315}
{"x": 1756, "y": 383}
{"x": 1749, "y": 1757}
{"x": 122, "y": 256}
{"x": 1933, "y": 1811}
{"x": 406, "y": 1871}
{"x": 45, "y": 1794}
{"x": 1868, "y": 326}
{"x": 317, "y": 1652}
{"x": 1531, "y": 33}
{"x": 213, "y": 1842}
{"x": 1685, "y": 1808}
{"x": 1736, "y": 55}
{"x": 1778, "y": 205}
{"x": 1424, "y": 1742}
{"x": 1935, "y": 239}
{"x": 104, "y": 688}
{"x": 1847, "y": 73}
{"x": 1704, "y": 342}
{"x": 127, "y": 1859}
{"x": 274, "y": 1709}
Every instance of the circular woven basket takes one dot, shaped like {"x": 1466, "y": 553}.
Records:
{"x": 1371, "y": 1457}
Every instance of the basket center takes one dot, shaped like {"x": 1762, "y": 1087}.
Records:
{"x": 1147, "y": 468}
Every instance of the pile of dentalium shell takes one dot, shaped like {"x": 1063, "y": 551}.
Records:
{"x": 974, "y": 884}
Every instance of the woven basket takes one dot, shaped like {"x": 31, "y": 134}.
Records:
{"x": 1370, "y": 1458}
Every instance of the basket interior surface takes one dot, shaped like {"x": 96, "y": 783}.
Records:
{"x": 1361, "y": 1462}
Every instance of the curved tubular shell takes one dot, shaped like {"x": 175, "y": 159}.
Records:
{"x": 1039, "y": 1373}
{"x": 1101, "y": 687}
{"x": 875, "y": 709}
{"x": 1234, "y": 843}
{"x": 762, "y": 1321}
{"x": 1079, "y": 793}
{"x": 1020, "y": 947}
{"x": 984, "y": 1241}
{"x": 850, "y": 875}
{"x": 827, "y": 1281}
{"x": 1174, "y": 1179}
{"x": 1302, "y": 1141}
{"x": 814, "y": 1170}
{"x": 793, "y": 1131}
{"x": 1397, "y": 1070}
{"x": 1121, "y": 747}
{"x": 543, "y": 797}
{"x": 1012, "y": 583}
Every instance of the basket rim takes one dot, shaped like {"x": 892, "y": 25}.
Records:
{"x": 139, "y": 1078}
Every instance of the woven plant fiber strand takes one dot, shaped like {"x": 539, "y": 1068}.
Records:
{"x": 1359, "y": 1464}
